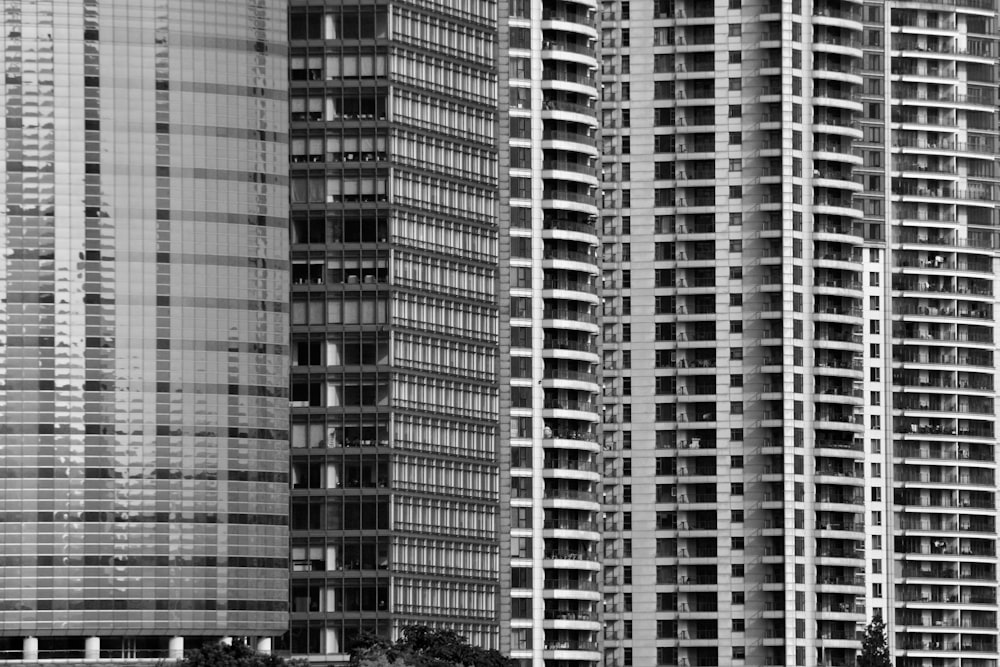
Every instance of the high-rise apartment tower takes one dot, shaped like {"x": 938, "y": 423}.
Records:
{"x": 800, "y": 267}
{"x": 143, "y": 335}
{"x": 551, "y": 285}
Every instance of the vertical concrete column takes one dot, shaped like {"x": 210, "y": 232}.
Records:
{"x": 29, "y": 650}
{"x": 92, "y": 648}
{"x": 264, "y": 645}
{"x": 175, "y": 649}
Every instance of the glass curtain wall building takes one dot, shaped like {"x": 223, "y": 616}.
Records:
{"x": 394, "y": 190}
{"x": 143, "y": 338}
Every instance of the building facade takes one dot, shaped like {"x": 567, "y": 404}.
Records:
{"x": 941, "y": 207}
{"x": 800, "y": 256}
{"x": 552, "y": 286}
{"x": 144, "y": 326}
{"x": 395, "y": 246}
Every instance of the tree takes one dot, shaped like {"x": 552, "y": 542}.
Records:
{"x": 421, "y": 646}
{"x": 217, "y": 654}
{"x": 874, "y": 647}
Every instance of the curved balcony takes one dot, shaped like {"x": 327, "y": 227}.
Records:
{"x": 570, "y": 170}
{"x": 561, "y": 20}
{"x": 570, "y": 291}
{"x": 573, "y": 621}
{"x": 553, "y": 653}
{"x": 578, "y": 83}
{"x": 566, "y": 140}
{"x": 569, "y": 50}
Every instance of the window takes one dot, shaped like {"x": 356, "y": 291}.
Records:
{"x": 736, "y": 165}
{"x": 736, "y": 489}
{"x": 735, "y": 138}
{"x": 876, "y": 590}
{"x": 735, "y": 111}
{"x": 735, "y": 57}
{"x": 737, "y": 545}
{"x": 736, "y": 516}
{"x": 735, "y": 30}
{"x": 736, "y": 462}
{"x": 735, "y": 84}
{"x": 739, "y": 625}
{"x": 873, "y": 278}
{"x": 738, "y": 596}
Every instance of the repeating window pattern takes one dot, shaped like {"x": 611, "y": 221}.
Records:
{"x": 441, "y": 275}
{"x": 434, "y": 598}
{"x": 444, "y": 517}
{"x": 441, "y": 435}
{"x": 445, "y": 76}
{"x": 444, "y": 35}
{"x": 444, "y": 356}
{"x": 450, "y": 157}
{"x": 437, "y": 114}
{"x": 445, "y": 396}
{"x": 444, "y": 557}
{"x": 381, "y": 250}
{"x": 471, "y": 480}
{"x": 421, "y": 231}
{"x": 444, "y": 316}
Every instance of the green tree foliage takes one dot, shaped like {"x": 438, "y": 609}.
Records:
{"x": 874, "y": 647}
{"x": 420, "y": 646}
{"x": 218, "y": 654}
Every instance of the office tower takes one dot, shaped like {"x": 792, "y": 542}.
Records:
{"x": 395, "y": 406}
{"x": 144, "y": 327}
{"x": 799, "y": 349}
{"x": 551, "y": 280}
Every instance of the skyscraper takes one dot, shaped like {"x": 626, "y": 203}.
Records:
{"x": 800, "y": 261}
{"x": 144, "y": 326}
{"x": 941, "y": 210}
{"x": 551, "y": 287}
{"x": 395, "y": 245}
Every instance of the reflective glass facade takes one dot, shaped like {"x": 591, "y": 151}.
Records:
{"x": 395, "y": 516}
{"x": 143, "y": 338}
